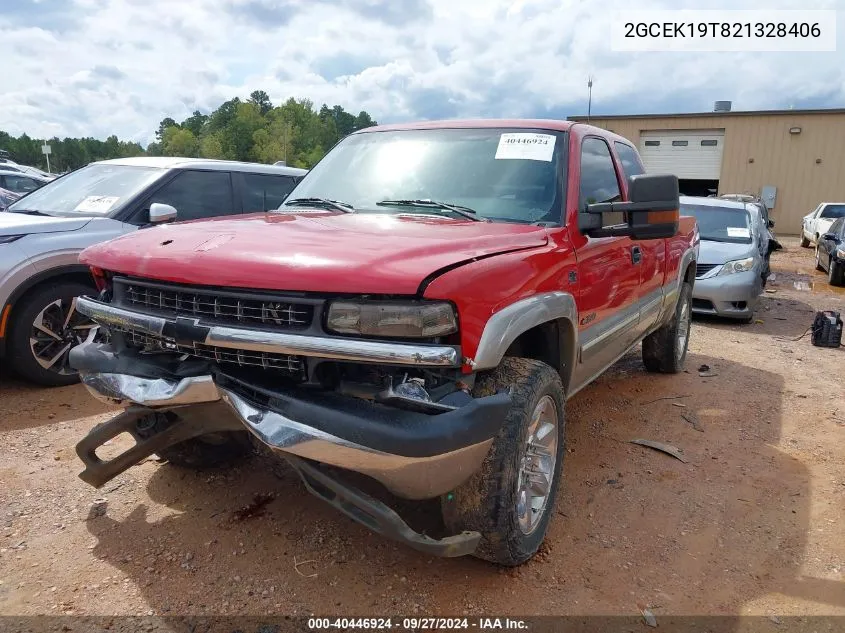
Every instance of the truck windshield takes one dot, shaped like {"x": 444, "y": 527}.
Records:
{"x": 504, "y": 175}
{"x": 95, "y": 190}
{"x": 720, "y": 224}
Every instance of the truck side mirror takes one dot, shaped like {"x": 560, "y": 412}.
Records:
{"x": 160, "y": 212}
{"x": 653, "y": 211}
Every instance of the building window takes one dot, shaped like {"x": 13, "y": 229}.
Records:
{"x": 680, "y": 143}
{"x": 709, "y": 143}
{"x": 652, "y": 143}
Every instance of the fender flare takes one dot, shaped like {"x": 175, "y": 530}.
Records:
{"x": 506, "y": 325}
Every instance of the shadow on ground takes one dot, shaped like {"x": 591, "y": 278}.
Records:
{"x": 633, "y": 525}
{"x": 24, "y": 405}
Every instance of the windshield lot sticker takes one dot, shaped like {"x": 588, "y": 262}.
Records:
{"x": 738, "y": 232}
{"x": 97, "y": 204}
{"x": 521, "y": 146}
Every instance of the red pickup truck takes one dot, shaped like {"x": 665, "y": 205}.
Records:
{"x": 418, "y": 311}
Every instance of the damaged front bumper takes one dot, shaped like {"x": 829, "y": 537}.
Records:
{"x": 414, "y": 455}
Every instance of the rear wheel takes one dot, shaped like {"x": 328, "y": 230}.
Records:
{"x": 665, "y": 350}
{"x": 511, "y": 499}
{"x": 818, "y": 260}
{"x": 45, "y": 326}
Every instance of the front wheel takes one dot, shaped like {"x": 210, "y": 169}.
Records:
{"x": 665, "y": 350}
{"x": 45, "y": 326}
{"x": 804, "y": 241}
{"x": 511, "y": 499}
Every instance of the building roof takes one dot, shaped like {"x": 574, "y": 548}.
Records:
{"x": 683, "y": 115}
{"x": 177, "y": 162}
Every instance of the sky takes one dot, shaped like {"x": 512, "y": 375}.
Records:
{"x": 102, "y": 67}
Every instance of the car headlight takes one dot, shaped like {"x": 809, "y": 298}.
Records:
{"x": 840, "y": 252}
{"x": 737, "y": 266}
{"x": 383, "y": 318}
{"x": 5, "y": 239}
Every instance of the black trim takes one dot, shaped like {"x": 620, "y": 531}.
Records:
{"x": 377, "y": 516}
{"x": 376, "y": 426}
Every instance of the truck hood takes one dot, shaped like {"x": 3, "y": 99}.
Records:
{"x": 24, "y": 224}
{"x": 720, "y": 252}
{"x": 312, "y": 251}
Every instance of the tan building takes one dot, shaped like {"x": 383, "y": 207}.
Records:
{"x": 794, "y": 159}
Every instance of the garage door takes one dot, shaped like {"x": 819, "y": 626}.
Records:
{"x": 692, "y": 154}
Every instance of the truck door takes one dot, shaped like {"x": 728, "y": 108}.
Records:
{"x": 650, "y": 255}
{"x": 607, "y": 272}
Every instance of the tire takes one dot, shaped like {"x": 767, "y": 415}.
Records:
{"x": 198, "y": 453}
{"x": 804, "y": 241}
{"x": 818, "y": 261}
{"x": 490, "y": 501}
{"x": 48, "y": 304}
{"x": 665, "y": 350}
{"x": 835, "y": 274}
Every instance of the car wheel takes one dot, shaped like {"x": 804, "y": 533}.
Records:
{"x": 45, "y": 326}
{"x": 835, "y": 274}
{"x": 818, "y": 260}
{"x": 665, "y": 350}
{"x": 804, "y": 241}
{"x": 510, "y": 499}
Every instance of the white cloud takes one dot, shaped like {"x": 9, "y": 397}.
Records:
{"x": 100, "y": 67}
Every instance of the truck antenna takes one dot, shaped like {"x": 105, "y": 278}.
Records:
{"x": 589, "y": 96}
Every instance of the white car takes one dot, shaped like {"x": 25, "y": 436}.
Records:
{"x": 818, "y": 222}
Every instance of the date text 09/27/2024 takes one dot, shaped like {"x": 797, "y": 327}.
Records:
{"x": 417, "y": 624}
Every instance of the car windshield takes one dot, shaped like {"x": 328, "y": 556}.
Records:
{"x": 504, "y": 175}
{"x": 95, "y": 190}
{"x": 833, "y": 211}
{"x": 720, "y": 224}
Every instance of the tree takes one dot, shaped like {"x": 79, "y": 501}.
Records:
{"x": 195, "y": 122}
{"x": 165, "y": 123}
{"x": 178, "y": 141}
{"x": 262, "y": 100}
{"x": 211, "y": 146}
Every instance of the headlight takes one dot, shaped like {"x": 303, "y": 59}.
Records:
{"x": 840, "y": 252}
{"x": 410, "y": 320}
{"x": 737, "y": 266}
{"x": 5, "y": 239}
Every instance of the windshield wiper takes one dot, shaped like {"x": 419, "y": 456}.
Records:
{"x": 466, "y": 212}
{"x": 323, "y": 202}
{"x": 27, "y": 212}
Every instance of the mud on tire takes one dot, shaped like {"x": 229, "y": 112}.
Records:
{"x": 665, "y": 350}
{"x": 206, "y": 451}
{"x": 487, "y": 502}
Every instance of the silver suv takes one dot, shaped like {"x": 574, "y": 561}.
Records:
{"x": 42, "y": 234}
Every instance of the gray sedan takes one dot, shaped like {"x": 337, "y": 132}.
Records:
{"x": 733, "y": 259}
{"x": 42, "y": 234}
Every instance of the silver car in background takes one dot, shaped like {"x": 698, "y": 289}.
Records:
{"x": 733, "y": 258}
{"x": 42, "y": 234}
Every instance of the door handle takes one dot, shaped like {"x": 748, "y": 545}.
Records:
{"x": 636, "y": 255}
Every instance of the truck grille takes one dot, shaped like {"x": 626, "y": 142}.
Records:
{"x": 703, "y": 269}
{"x": 222, "y": 307}
{"x": 293, "y": 365}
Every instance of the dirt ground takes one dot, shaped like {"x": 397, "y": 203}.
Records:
{"x": 751, "y": 524}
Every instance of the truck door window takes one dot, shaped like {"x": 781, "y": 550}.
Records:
{"x": 263, "y": 192}
{"x": 198, "y": 194}
{"x": 631, "y": 164}
{"x": 598, "y": 174}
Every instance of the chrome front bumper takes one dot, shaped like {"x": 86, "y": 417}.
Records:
{"x": 332, "y": 348}
{"x": 411, "y": 477}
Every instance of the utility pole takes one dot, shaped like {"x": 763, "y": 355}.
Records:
{"x": 589, "y": 96}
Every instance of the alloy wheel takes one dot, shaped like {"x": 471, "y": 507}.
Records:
{"x": 55, "y": 330}
{"x": 538, "y": 464}
{"x": 684, "y": 320}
